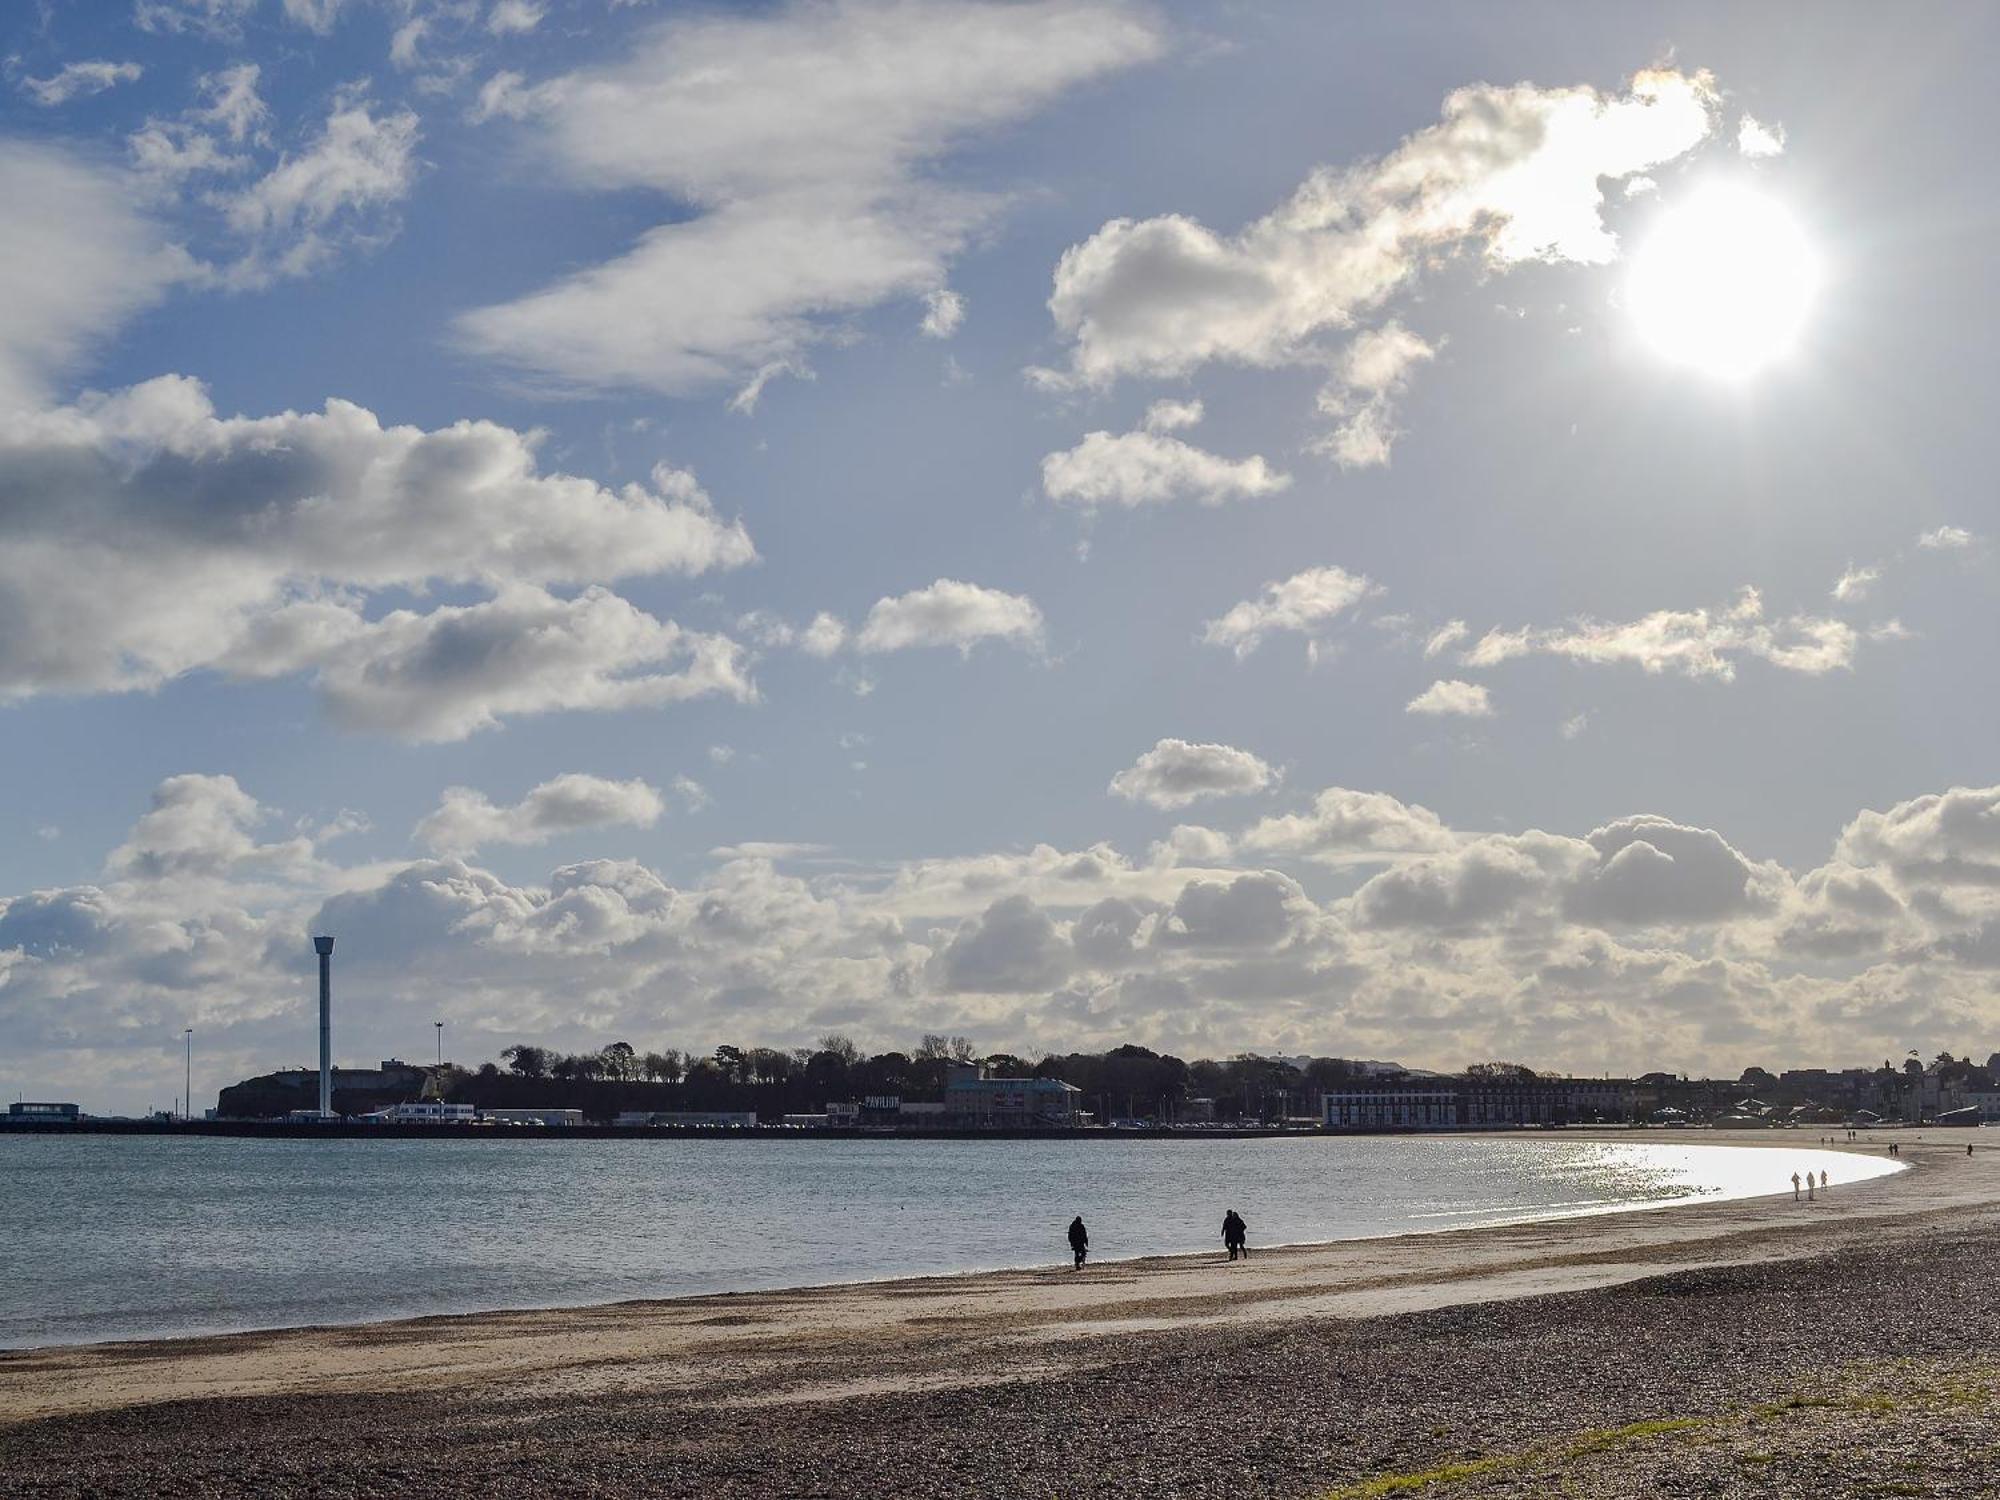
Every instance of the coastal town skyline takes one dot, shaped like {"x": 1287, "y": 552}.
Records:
{"x": 1302, "y": 531}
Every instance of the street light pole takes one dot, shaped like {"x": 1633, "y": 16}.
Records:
{"x": 440, "y": 1070}
{"x": 187, "y": 1085}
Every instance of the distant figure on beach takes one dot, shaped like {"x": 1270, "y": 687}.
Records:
{"x": 1079, "y": 1240}
{"x": 1234, "y": 1234}
{"x": 1795, "y": 1187}
{"x": 1822, "y": 1179}
{"x": 1810, "y": 1198}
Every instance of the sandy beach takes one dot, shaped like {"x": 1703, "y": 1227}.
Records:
{"x": 1298, "y": 1372}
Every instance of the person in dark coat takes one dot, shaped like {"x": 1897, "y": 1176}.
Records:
{"x": 1234, "y": 1234}
{"x": 1079, "y": 1240}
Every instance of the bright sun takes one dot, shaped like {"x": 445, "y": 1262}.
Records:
{"x": 1724, "y": 283}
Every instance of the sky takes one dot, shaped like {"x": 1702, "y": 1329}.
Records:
{"x": 1438, "y": 533}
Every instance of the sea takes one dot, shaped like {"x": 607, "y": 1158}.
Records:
{"x": 122, "y": 1237}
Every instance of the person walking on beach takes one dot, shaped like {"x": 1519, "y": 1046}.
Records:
{"x": 1079, "y": 1240}
{"x": 1822, "y": 1179}
{"x": 1795, "y": 1187}
{"x": 1810, "y": 1197}
{"x": 1234, "y": 1234}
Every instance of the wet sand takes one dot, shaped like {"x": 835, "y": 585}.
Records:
{"x": 1148, "y": 1376}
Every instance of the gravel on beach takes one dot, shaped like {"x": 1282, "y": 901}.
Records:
{"x": 1871, "y": 1371}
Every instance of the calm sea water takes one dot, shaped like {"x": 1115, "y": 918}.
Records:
{"x": 109, "y": 1237}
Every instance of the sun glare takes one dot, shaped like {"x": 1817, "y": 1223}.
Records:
{"x": 1724, "y": 283}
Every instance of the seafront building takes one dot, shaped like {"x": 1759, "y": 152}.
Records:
{"x": 1392, "y": 1109}
{"x": 972, "y": 1098}
{"x": 1480, "y": 1104}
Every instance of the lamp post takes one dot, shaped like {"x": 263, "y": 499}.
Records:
{"x": 440, "y": 1069}
{"x": 187, "y": 1085}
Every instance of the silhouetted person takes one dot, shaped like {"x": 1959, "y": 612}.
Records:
{"x": 1079, "y": 1240}
{"x": 1795, "y": 1187}
{"x": 1234, "y": 1233}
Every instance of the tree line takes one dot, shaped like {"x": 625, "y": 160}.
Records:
{"x": 1125, "y": 1082}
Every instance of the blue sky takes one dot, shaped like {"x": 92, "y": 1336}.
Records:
{"x": 921, "y": 457}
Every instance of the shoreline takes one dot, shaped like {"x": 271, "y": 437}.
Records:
{"x": 1739, "y": 1141}
{"x": 750, "y": 1334}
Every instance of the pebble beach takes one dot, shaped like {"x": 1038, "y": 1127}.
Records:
{"x": 1760, "y": 1347}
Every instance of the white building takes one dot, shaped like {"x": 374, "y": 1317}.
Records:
{"x": 430, "y": 1112}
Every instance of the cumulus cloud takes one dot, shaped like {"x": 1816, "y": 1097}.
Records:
{"x": 1754, "y": 138}
{"x": 1853, "y": 585}
{"x": 1349, "y": 827}
{"x": 1148, "y": 467}
{"x": 1306, "y": 602}
{"x": 1445, "y": 637}
{"x": 1693, "y": 643}
{"x": 79, "y": 80}
{"x": 1946, "y": 539}
{"x": 1373, "y": 372}
{"x": 1010, "y": 947}
{"x": 1509, "y": 175}
{"x": 801, "y": 137}
{"x": 145, "y": 536}
{"x": 1642, "y": 942}
{"x": 466, "y": 819}
{"x": 514, "y": 17}
{"x": 944, "y": 311}
{"x": 1452, "y": 697}
{"x": 460, "y": 669}
{"x": 1175, "y": 773}
{"x": 951, "y": 613}
{"x": 335, "y": 194}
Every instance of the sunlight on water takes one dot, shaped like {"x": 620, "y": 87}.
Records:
{"x": 122, "y": 1237}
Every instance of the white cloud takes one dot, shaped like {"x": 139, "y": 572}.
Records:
{"x": 1645, "y": 942}
{"x": 1347, "y": 827}
{"x": 1175, "y": 773}
{"x": 1853, "y": 585}
{"x": 1306, "y": 602}
{"x": 209, "y": 138}
{"x": 142, "y": 536}
{"x": 824, "y": 636}
{"x": 405, "y": 42}
{"x": 514, "y": 17}
{"x": 336, "y": 193}
{"x": 1693, "y": 643}
{"x": 318, "y": 16}
{"x": 1371, "y": 375}
{"x": 1754, "y": 138}
{"x": 218, "y": 19}
{"x": 1170, "y": 416}
{"x": 950, "y": 613}
{"x": 1946, "y": 539}
{"x": 1147, "y": 467}
{"x": 1444, "y": 638}
{"x": 466, "y": 820}
{"x": 1512, "y": 174}
{"x": 802, "y": 136}
{"x": 944, "y": 311}
{"x": 79, "y": 80}
{"x": 1453, "y": 697}
{"x": 461, "y": 669}
{"x": 77, "y": 258}
{"x": 1575, "y": 725}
